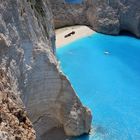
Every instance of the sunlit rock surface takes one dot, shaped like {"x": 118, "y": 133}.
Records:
{"x": 27, "y": 44}
{"x": 106, "y": 16}
{"x": 14, "y": 123}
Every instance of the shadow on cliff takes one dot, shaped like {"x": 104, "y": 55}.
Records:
{"x": 58, "y": 134}
{"x": 55, "y": 134}
{"x": 127, "y": 33}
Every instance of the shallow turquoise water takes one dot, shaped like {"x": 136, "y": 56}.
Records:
{"x": 108, "y": 84}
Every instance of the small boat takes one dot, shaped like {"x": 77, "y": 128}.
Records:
{"x": 107, "y": 53}
{"x": 69, "y": 34}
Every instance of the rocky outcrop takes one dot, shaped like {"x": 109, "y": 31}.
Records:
{"x": 106, "y": 16}
{"x": 14, "y": 123}
{"x": 27, "y": 44}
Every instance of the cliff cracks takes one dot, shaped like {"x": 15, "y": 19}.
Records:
{"x": 30, "y": 78}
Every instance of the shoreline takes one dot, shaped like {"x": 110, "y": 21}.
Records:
{"x": 77, "y": 32}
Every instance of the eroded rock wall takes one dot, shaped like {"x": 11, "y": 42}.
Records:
{"x": 66, "y": 14}
{"x": 14, "y": 123}
{"x": 27, "y": 44}
{"x": 106, "y": 16}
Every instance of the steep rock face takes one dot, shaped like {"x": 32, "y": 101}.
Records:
{"x": 27, "y": 57}
{"x": 68, "y": 14}
{"x": 104, "y": 16}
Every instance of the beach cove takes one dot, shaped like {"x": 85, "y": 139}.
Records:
{"x": 105, "y": 72}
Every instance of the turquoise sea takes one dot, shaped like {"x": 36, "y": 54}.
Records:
{"x": 74, "y": 1}
{"x": 105, "y": 72}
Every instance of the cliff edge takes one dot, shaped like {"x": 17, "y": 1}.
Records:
{"x": 28, "y": 64}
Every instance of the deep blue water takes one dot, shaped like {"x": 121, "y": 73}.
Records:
{"x": 74, "y": 1}
{"x": 109, "y": 84}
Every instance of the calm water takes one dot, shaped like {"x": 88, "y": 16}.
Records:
{"x": 74, "y": 1}
{"x": 109, "y": 84}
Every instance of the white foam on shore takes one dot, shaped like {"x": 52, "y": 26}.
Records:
{"x": 80, "y": 32}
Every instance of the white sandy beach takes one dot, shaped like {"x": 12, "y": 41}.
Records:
{"x": 80, "y": 31}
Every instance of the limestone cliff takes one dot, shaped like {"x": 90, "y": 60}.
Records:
{"x": 27, "y": 44}
{"x": 106, "y": 16}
